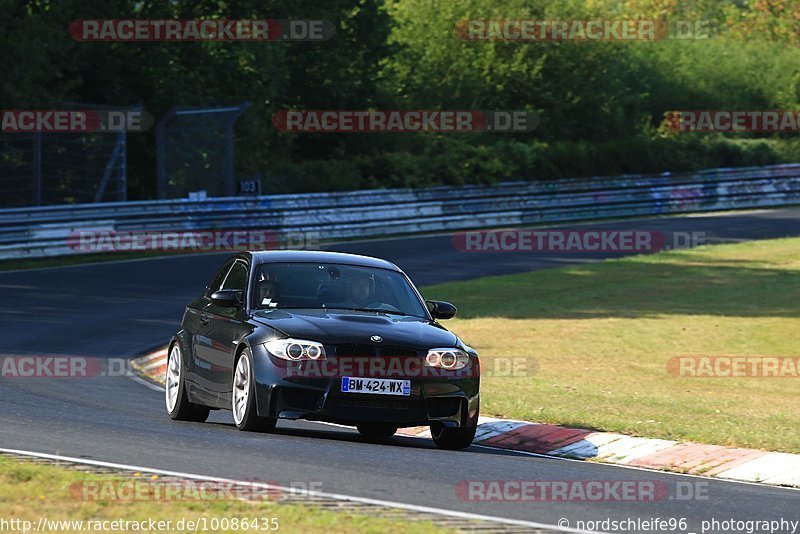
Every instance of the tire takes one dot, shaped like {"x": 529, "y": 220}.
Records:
{"x": 243, "y": 397}
{"x": 178, "y": 406}
{"x": 377, "y": 430}
{"x": 455, "y": 438}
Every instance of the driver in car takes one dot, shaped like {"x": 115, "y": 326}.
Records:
{"x": 361, "y": 294}
{"x": 360, "y": 289}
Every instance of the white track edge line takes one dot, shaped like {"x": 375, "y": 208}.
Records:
{"x": 325, "y": 495}
{"x": 144, "y": 382}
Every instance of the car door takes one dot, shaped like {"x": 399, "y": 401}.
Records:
{"x": 196, "y": 324}
{"x": 225, "y": 326}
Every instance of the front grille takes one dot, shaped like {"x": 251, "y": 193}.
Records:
{"x": 368, "y": 351}
{"x": 355, "y": 351}
{"x": 398, "y": 352}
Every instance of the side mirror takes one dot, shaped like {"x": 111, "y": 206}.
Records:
{"x": 229, "y": 298}
{"x": 441, "y": 310}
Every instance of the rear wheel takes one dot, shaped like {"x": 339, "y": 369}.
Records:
{"x": 455, "y": 438}
{"x": 178, "y": 405}
{"x": 376, "y": 430}
{"x": 245, "y": 413}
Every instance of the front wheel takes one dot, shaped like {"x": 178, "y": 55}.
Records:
{"x": 178, "y": 406}
{"x": 245, "y": 413}
{"x": 455, "y": 438}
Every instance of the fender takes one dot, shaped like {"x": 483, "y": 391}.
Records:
{"x": 263, "y": 368}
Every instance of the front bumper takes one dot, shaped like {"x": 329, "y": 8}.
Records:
{"x": 449, "y": 401}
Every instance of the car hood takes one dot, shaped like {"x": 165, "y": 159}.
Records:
{"x": 338, "y": 327}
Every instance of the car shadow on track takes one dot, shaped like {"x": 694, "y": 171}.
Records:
{"x": 313, "y": 430}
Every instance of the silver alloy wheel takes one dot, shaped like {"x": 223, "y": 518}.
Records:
{"x": 173, "y": 378}
{"x": 241, "y": 388}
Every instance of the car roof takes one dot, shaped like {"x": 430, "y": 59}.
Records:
{"x": 315, "y": 256}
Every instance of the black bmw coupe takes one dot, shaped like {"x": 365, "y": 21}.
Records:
{"x": 322, "y": 336}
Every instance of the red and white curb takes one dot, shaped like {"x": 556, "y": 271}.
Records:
{"x": 745, "y": 465}
{"x": 152, "y": 366}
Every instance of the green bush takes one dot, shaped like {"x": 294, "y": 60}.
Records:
{"x": 459, "y": 162}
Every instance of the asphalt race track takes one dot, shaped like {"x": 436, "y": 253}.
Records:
{"x": 121, "y": 309}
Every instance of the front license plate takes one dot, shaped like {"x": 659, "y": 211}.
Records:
{"x": 376, "y": 386}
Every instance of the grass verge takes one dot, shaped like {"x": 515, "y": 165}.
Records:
{"x": 599, "y": 337}
{"x": 30, "y": 491}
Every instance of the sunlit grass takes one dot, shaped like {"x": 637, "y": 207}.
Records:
{"x": 29, "y": 491}
{"x": 601, "y": 335}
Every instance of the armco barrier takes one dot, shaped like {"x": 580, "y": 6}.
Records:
{"x": 43, "y": 231}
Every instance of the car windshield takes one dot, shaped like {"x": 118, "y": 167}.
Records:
{"x": 334, "y": 286}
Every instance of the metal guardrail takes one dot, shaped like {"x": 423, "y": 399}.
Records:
{"x": 38, "y": 232}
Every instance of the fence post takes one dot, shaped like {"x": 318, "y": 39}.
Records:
{"x": 37, "y": 169}
{"x": 161, "y": 171}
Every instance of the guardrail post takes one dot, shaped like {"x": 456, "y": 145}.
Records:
{"x": 230, "y": 185}
{"x": 119, "y": 149}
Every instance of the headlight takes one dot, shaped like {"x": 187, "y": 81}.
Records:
{"x": 450, "y": 359}
{"x": 296, "y": 349}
